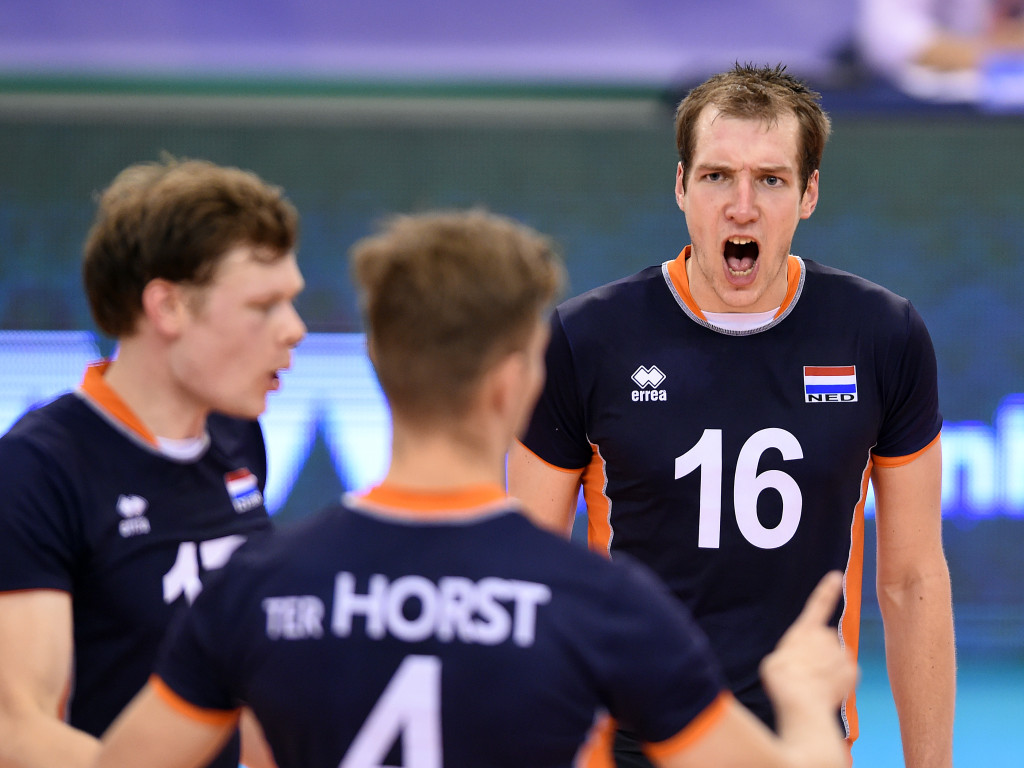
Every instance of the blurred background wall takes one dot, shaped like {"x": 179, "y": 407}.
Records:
{"x": 560, "y": 114}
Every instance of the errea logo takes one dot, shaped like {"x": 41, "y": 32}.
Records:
{"x": 132, "y": 509}
{"x": 648, "y": 379}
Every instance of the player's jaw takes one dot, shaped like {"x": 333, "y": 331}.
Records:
{"x": 247, "y": 398}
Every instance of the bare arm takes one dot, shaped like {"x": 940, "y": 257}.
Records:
{"x": 547, "y": 492}
{"x": 256, "y": 753}
{"x": 150, "y": 733}
{"x": 36, "y": 647}
{"x": 806, "y": 676}
{"x": 914, "y": 596}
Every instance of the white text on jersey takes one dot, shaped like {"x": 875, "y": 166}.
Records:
{"x": 413, "y": 608}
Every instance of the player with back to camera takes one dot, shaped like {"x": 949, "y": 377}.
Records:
{"x": 724, "y": 411}
{"x": 117, "y": 499}
{"x": 427, "y": 622}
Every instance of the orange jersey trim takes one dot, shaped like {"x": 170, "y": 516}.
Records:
{"x": 567, "y": 470}
{"x": 681, "y": 281}
{"x": 599, "y": 506}
{"x": 215, "y": 717}
{"x": 96, "y": 387}
{"x": 694, "y": 731}
{"x": 853, "y": 589}
{"x": 446, "y": 503}
{"x": 899, "y": 461}
{"x": 599, "y": 748}
{"x": 793, "y": 269}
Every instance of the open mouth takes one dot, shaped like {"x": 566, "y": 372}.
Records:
{"x": 740, "y": 255}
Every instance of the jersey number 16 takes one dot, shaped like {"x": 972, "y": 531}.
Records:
{"x": 748, "y": 484}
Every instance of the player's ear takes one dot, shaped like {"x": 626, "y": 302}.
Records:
{"x": 809, "y": 201}
{"x": 164, "y": 306}
{"x": 502, "y": 385}
{"x": 680, "y": 187}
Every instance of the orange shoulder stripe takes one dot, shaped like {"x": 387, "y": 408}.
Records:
{"x": 567, "y": 470}
{"x": 217, "y": 717}
{"x": 899, "y": 461}
{"x": 694, "y": 731}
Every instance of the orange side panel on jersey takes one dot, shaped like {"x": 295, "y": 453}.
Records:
{"x": 216, "y": 717}
{"x": 899, "y": 461}
{"x": 694, "y": 731}
{"x": 853, "y": 587}
{"x": 96, "y": 387}
{"x": 598, "y": 750}
{"x": 599, "y": 529}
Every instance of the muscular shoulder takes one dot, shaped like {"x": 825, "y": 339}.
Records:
{"x": 845, "y": 292}
{"x": 608, "y": 304}
{"x": 51, "y": 431}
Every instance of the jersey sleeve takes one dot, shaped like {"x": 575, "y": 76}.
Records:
{"x": 39, "y": 531}
{"x": 557, "y": 431}
{"x": 194, "y": 659}
{"x": 664, "y": 691}
{"x": 911, "y": 392}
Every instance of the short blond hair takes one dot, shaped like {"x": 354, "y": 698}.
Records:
{"x": 445, "y": 295}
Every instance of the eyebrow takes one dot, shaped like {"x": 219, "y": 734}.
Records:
{"x": 772, "y": 169}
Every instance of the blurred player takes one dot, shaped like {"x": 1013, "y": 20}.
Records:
{"x": 724, "y": 411}
{"x": 117, "y": 499}
{"x": 428, "y": 622}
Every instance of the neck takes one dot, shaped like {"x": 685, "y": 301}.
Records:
{"x": 431, "y": 459}
{"x": 140, "y": 376}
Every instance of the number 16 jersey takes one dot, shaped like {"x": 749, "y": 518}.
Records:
{"x": 735, "y": 464}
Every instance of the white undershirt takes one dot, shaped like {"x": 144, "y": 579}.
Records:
{"x": 741, "y": 321}
{"x": 188, "y": 449}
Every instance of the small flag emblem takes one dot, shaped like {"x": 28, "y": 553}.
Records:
{"x": 243, "y": 490}
{"x": 830, "y": 383}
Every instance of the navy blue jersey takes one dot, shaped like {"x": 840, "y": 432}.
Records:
{"x": 449, "y": 629}
{"x": 736, "y": 464}
{"x": 90, "y": 507}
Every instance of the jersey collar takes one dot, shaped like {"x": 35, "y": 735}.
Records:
{"x": 447, "y": 503}
{"x": 96, "y": 389}
{"x": 681, "y": 282}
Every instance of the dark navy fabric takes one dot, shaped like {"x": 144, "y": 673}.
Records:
{"x": 505, "y": 640}
{"x": 721, "y": 436}
{"x": 88, "y": 508}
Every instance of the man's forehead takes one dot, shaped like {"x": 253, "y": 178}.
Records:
{"x": 784, "y": 128}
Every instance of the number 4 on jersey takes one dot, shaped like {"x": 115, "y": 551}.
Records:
{"x": 183, "y": 577}
{"x": 706, "y": 455}
{"x": 410, "y": 710}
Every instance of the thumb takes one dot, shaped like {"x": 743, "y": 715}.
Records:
{"x": 822, "y": 603}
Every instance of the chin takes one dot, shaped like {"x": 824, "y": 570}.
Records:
{"x": 249, "y": 412}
